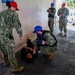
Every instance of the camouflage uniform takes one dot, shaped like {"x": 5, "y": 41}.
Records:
{"x": 63, "y": 13}
{"x": 51, "y": 18}
{"x": 49, "y": 40}
{"x": 9, "y": 20}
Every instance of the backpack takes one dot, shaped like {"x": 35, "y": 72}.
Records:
{"x": 46, "y": 31}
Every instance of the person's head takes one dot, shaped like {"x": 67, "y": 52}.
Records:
{"x": 8, "y": 4}
{"x": 52, "y": 4}
{"x": 14, "y": 6}
{"x": 38, "y": 30}
{"x": 63, "y": 5}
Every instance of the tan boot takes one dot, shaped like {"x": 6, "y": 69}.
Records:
{"x": 60, "y": 33}
{"x": 51, "y": 56}
{"x": 18, "y": 69}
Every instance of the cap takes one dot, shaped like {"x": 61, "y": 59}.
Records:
{"x": 37, "y": 28}
{"x": 14, "y": 4}
{"x": 63, "y": 4}
{"x": 52, "y": 4}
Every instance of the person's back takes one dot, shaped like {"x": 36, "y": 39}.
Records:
{"x": 7, "y": 20}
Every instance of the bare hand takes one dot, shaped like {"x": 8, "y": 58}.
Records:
{"x": 31, "y": 49}
{"x": 48, "y": 10}
{"x": 43, "y": 42}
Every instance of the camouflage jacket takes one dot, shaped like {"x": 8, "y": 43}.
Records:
{"x": 63, "y": 13}
{"x": 8, "y": 20}
{"x": 52, "y": 13}
{"x": 49, "y": 41}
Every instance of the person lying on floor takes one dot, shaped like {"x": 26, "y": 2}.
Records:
{"x": 29, "y": 52}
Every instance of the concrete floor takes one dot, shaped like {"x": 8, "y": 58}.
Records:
{"x": 62, "y": 64}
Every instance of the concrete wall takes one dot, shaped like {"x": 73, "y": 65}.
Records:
{"x": 32, "y": 13}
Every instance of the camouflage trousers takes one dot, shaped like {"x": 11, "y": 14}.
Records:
{"x": 7, "y": 46}
{"x": 47, "y": 49}
{"x": 51, "y": 24}
{"x": 63, "y": 26}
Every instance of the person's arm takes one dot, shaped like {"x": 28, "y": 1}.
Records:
{"x": 28, "y": 48}
{"x": 58, "y": 13}
{"x": 49, "y": 10}
{"x": 17, "y": 24}
{"x": 67, "y": 12}
{"x": 53, "y": 13}
{"x": 35, "y": 42}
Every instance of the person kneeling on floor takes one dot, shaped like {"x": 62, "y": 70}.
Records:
{"x": 30, "y": 52}
{"x": 46, "y": 42}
